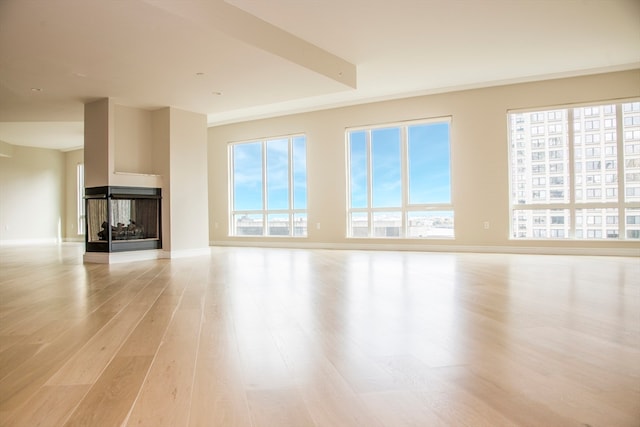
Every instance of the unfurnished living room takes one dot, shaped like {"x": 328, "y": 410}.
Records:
{"x": 320, "y": 213}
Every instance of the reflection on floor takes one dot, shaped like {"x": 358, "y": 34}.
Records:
{"x": 279, "y": 337}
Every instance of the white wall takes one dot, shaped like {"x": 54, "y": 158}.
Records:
{"x": 32, "y": 195}
{"x": 479, "y": 157}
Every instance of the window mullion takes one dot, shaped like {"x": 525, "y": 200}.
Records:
{"x": 231, "y": 229}
{"x": 81, "y": 212}
{"x": 290, "y": 172}
{"x": 348, "y": 176}
{"x": 622, "y": 226}
{"x": 265, "y": 207}
{"x": 404, "y": 185}
{"x": 572, "y": 176}
{"x": 369, "y": 183}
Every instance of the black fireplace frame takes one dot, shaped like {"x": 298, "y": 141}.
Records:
{"x": 109, "y": 193}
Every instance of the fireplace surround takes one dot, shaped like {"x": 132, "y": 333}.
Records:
{"x": 123, "y": 219}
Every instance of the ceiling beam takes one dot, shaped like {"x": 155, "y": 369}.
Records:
{"x": 221, "y": 16}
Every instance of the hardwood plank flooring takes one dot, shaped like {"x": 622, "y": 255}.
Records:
{"x": 250, "y": 337}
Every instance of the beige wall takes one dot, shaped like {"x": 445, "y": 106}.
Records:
{"x": 97, "y": 145}
{"x": 133, "y": 143}
{"x": 162, "y": 165}
{"x": 118, "y": 146}
{"x": 32, "y": 195}
{"x": 188, "y": 181}
{"x": 6, "y": 149}
{"x": 180, "y": 156}
{"x": 32, "y": 177}
{"x": 479, "y": 157}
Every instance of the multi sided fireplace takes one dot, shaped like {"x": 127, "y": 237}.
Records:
{"x": 122, "y": 219}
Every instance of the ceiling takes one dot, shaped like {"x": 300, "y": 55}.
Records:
{"x": 237, "y": 60}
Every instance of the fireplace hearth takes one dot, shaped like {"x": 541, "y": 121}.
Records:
{"x": 122, "y": 219}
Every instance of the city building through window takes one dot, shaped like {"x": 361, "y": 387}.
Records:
{"x": 575, "y": 172}
{"x": 399, "y": 181}
{"x": 269, "y": 187}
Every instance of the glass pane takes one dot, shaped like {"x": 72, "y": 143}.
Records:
{"x": 541, "y": 223}
{"x": 120, "y": 212}
{"x": 358, "y": 169}
{"x": 278, "y": 174}
{"x": 300, "y": 172}
{"x": 387, "y": 224}
{"x": 359, "y": 224}
{"x": 429, "y": 163}
{"x": 278, "y": 225}
{"x": 386, "y": 168}
{"x": 247, "y": 176}
{"x": 434, "y": 224}
{"x": 300, "y": 225}
{"x": 631, "y": 143}
{"x": 539, "y": 157}
{"x": 597, "y": 224}
{"x": 595, "y": 152}
{"x": 134, "y": 219}
{"x": 632, "y": 223}
{"x": 248, "y": 225}
{"x": 96, "y": 219}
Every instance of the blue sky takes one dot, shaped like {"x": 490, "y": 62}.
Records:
{"x": 248, "y": 168}
{"x": 428, "y": 162}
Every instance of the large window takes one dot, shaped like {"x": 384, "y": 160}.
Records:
{"x": 400, "y": 181}
{"x": 575, "y": 172}
{"x": 269, "y": 187}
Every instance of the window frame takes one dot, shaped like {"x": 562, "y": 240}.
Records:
{"x": 406, "y": 208}
{"x": 293, "y": 213}
{"x": 80, "y": 202}
{"x": 574, "y": 174}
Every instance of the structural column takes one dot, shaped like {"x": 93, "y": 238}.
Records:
{"x": 164, "y": 148}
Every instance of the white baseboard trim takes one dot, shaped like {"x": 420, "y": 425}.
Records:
{"x": 74, "y": 239}
{"x": 133, "y": 256}
{"x": 119, "y": 257}
{"x": 116, "y": 257}
{"x": 29, "y": 242}
{"x": 533, "y": 250}
{"x": 186, "y": 253}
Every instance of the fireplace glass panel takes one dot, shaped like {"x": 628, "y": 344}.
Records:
{"x": 123, "y": 219}
{"x": 96, "y": 218}
{"x": 134, "y": 219}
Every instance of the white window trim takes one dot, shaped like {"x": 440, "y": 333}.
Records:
{"x": 265, "y": 212}
{"x": 406, "y": 207}
{"x": 572, "y": 205}
{"x": 80, "y": 202}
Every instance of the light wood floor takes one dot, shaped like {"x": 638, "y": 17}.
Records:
{"x": 276, "y": 337}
